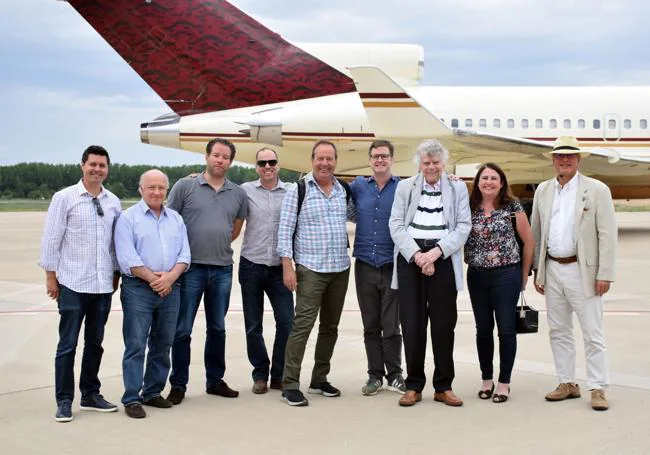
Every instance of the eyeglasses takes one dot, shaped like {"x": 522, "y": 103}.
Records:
{"x": 98, "y": 206}
{"x": 263, "y": 163}
{"x": 383, "y": 156}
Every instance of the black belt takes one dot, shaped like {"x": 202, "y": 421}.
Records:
{"x": 427, "y": 244}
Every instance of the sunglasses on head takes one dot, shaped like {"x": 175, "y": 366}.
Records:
{"x": 263, "y": 163}
{"x": 98, "y": 206}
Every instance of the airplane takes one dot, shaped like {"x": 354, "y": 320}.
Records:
{"x": 224, "y": 74}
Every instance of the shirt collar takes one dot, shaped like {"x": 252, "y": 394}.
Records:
{"x": 279, "y": 184}
{"x": 435, "y": 187}
{"x": 227, "y": 184}
{"x": 145, "y": 208}
{"x": 571, "y": 184}
{"x": 393, "y": 178}
{"x": 82, "y": 190}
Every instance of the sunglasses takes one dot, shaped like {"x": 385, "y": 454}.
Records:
{"x": 98, "y": 206}
{"x": 263, "y": 163}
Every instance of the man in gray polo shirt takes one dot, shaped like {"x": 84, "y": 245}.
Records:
{"x": 214, "y": 210}
{"x": 260, "y": 271}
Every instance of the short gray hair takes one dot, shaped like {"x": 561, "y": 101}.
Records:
{"x": 153, "y": 171}
{"x": 431, "y": 148}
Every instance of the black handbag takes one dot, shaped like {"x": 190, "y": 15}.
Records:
{"x": 527, "y": 318}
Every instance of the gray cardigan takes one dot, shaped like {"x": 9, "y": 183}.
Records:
{"x": 455, "y": 203}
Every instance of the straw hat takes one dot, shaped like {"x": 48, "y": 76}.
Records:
{"x": 566, "y": 145}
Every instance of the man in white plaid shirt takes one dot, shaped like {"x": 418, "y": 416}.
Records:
{"x": 319, "y": 235}
{"x": 81, "y": 274}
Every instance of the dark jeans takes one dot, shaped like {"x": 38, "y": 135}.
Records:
{"x": 422, "y": 299}
{"x": 380, "y": 317}
{"x": 147, "y": 317}
{"x": 255, "y": 280}
{"x": 213, "y": 283}
{"x": 494, "y": 293}
{"x": 317, "y": 292}
{"x": 74, "y": 307}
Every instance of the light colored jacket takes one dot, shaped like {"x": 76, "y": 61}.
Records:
{"x": 455, "y": 204}
{"x": 595, "y": 231}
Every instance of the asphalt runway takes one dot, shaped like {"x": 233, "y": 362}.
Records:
{"x": 351, "y": 424}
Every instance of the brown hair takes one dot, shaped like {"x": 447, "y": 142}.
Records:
{"x": 504, "y": 196}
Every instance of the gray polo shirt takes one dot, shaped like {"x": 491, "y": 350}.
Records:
{"x": 260, "y": 244}
{"x": 209, "y": 216}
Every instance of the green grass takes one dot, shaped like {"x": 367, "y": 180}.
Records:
{"x": 37, "y": 205}
{"x": 632, "y": 208}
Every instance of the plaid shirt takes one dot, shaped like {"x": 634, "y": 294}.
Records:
{"x": 321, "y": 232}
{"x": 78, "y": 243}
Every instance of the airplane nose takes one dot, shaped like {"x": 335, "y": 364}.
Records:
{"x": 163, "y": 131}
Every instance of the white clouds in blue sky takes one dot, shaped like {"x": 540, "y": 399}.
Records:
{"x": 63, "y": 87}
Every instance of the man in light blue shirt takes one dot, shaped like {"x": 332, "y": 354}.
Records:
{"x": 153, "y": 251}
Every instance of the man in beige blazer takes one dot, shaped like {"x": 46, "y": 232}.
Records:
{"x": 575, "y": 233}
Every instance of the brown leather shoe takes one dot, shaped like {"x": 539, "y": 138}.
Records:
{"x": 598, "y": 400}
{"x": 222, "y": 389}
{"x": 564, "y": 391}
{"x": 410, "y": 398}
{"x": 260, "y": 387}
{"x": 448, "y": 397}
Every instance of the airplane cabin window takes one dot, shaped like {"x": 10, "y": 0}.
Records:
{"x": 539, "y": 123}
{"x": 596, "y": 124}
{"x": 581, "y": 124}
{"x": 524, "y": 123}
{"x": 454, "y": 123}
{"x": 511, "y": 123}
{"x": 468, "y": 123}
{"x": 496, "y": 123}
{"x": 567, "y": 123}
{"x": 627, "y": 123}
{"x": 482, "y": 123}
{"x": 611, "y": 124}
{"x": 552, "y": 123}
{"x": 643, "y": 124}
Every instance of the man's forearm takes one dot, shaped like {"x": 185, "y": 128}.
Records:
{"x": 144, "y": 273}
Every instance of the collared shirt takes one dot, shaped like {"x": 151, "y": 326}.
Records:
{"x": 209, "y": 216}
{"x": 561, "y": 240}
{"x": 260, "y": 244}
{"x": 78, "y": 243}
{"x": 142, "y": 239}
{"x": 321, "y": 239}
{"x": 429, "y": 220}
{"x": 372, "y": 241}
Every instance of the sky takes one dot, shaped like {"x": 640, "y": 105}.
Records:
{"x": 63, "y": 87}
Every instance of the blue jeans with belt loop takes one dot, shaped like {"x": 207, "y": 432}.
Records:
{"x": 494, "y": 294}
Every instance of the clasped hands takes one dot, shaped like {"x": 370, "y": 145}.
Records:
{"x": 163, "y": 283}
{"x": 426, "y": 260}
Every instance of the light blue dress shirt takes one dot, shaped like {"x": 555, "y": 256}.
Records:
{"x": 141, "y": 239}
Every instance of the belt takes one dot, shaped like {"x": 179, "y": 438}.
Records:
{"x": 426, "y": 244}
{"x": 567, "y": 260}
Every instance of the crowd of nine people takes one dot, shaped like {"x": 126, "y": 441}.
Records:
{"x": 412, "y": 237}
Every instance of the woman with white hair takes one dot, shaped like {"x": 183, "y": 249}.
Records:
{"x": 429, "y": 223}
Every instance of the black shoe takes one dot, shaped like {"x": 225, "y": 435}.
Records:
{"x": 135, "y": 411}
{"x": 324, "y": 388}
{"x": 158, "y": 402}
{"x": 63, "y": 412}
{"x": 294, "y": 398}
{"x": 222, "y": 389}
{"x": 97, "y": 403}
{"x": 176, "y": 396}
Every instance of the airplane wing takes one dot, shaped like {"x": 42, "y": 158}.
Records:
{"x": 207, "y": 55}
{"x": 394, "y": 113}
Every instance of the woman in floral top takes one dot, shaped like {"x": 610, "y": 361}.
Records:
{"x": 495, "y": 274}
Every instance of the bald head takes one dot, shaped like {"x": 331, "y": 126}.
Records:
{"x": 153, "y": 173}
{"x": 153, "y": 188}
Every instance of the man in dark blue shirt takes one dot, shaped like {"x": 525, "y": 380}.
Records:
{"x": 373, "y": 249}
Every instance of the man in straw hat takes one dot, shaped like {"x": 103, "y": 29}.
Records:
{"x": 575, "y": 233}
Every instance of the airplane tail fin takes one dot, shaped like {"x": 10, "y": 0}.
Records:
{"x": 207, "y": 55}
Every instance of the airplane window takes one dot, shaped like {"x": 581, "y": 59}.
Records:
{"x": 524, "y": 123}
{"x": 627, "y": 123}
{"x": 454, "y": 123}
{"x": 611, "y": 124}
{"x": 552, "y": 123}
{"x": 596, "y": 124}
{"x": 643, "y": 124}
{"x": 496, "y": 123}
{"x": 468, "y": 123}
{"x": 539, "y": 123}
{"x": 511, "y": 123}
{"x": 482, "y": 123}
{"x": 567, "y": 123}
{"x": 581, "y": 124}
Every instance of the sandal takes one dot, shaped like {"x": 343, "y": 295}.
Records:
{"x": 497, "y": 398}
{"x": 485, "y": 394}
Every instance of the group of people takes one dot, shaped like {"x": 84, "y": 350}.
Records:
{"x": 408, "y": 250}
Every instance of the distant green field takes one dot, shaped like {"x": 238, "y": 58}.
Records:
{"x": 36, "y": 205}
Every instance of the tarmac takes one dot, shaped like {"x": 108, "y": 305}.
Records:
{"x": 351, "y": 424}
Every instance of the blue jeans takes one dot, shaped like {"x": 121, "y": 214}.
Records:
{"x": 74, "y": 307}
{"x": 255, "y": 280}
{"x": 147, "y": 317}
{"x": 213, "y": 283}
{"x": 494, "y": 294}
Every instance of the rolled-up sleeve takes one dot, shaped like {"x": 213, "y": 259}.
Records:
{"x": 127, "y": 255}
{"x": 287, "y": 227}
{"x": 55, "y": 226}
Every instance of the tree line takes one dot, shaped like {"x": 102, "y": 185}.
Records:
{"x": 42, "y": 180}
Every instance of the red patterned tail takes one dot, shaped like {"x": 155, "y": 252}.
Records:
{"x": 207, "y": 55}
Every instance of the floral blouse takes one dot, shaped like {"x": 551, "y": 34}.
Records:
{"x": 491, "y": 242}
